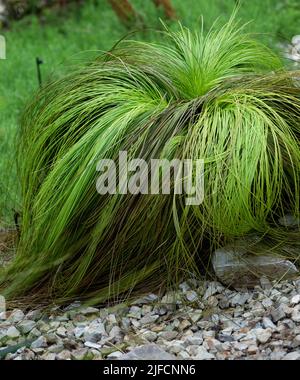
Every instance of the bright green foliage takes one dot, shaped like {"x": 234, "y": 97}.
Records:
{"x": 221, "y": 97}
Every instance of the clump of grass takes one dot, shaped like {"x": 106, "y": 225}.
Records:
{"x": 222, "y": 97}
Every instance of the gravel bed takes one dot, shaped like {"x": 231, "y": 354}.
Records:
{"x": 201, "y": 321}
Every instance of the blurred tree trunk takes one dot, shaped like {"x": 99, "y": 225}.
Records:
{"x": 124, "y": 10}
{"x": 168, "y": 8}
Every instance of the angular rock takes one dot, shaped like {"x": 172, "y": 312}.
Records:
{"x": 296, "y": 314}
{"x": 89, "y": 310}
{"x": 93, "y": 345}
{"x": 238, "y": 268}
{"x": 64, "y": 355}
{"x": 278, "y": 313}
{"x": 191, "y": 296}
{"x": 147, "y": 352}
{"x": 94, "y": 333}
{"x": 15, "y": 316}
{"x": 115, "y": 355}
{"x": 193, "y": 340}
{"x": 48, "y": 356}
{"x": 295, "y": 355}
{"x": 80, "y": 354}
{"x": 147, "y": 299}
{"x": 26, "y": 326}
{"x": 176, "y": 346}
{"x": 40, "y": 342}
{"x": 56, "y": 348}
{"x": 150, "y": 336}
{"x": 296, "y": 299}
{"x": 267, "y": 323}
{"x": 277, "y": 355}
{"x": 34, "y": 333}
{"x": 79, "y": 331}
{"x": 213, "y": 288}
{"x": 240, "y": 299}
{"x": 147, "y": 319}
{"x": 168, "y": 335}
{"x": 263, "y": 335}
{"x": 296, "y": 341}
{"x": 34, "y": 315}
{"x": 203, "y": 354}
{"x": 192, "y": 350}
{"x": 267, "y": 302}
{"x": 135, "y": 312}
{"x": 61, "y": 332}
{"x": 12, "y": 332}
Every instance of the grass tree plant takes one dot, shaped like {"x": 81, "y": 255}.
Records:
{"x": 223, "y": 97}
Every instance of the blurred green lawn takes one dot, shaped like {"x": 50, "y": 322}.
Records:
{"x": 67, "y": 37}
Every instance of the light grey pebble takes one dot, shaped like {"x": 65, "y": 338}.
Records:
{"x": 42, "y": 326}
{"x": 184, "y": 287}
{"x": 64, "y": 355}
{"x": 176, "y": 346}
{"x": 56, "y": 348}
{"x": 295, "y": 299}
{"x": 116, "y": 333}
{"x": 94, "y": 333}
{"x": 79, "y": 331}
{"x": 61, "y": 332}
{"x": 40, "y": 342}
{"x": 34, "y": 315}
{"x": 147, "y": 299}
{"x": 135, "y": 312}
{"x": 277, "y": 354}
{"x": 12, "y": 332}
{"x": 193, "y": 340}
{"x": 150, "y": 336}
{"x": 147, "y": 352}
{"x": 79, "y": 354}
{"x": 34, "y": 333}
{"x": 263, "y": 335}
{"x": 191, "y": 296}
{"x": 89, "y": 310}
{"x": 26, "y": 326}
{"x": 296, "y": 341}
{"x": 168, "y": 335}
{"x": 239, "y": 299}
{"x": 183, "y": 355}
{"x": 278, "y": 313}
{"x": 192, "y": 349}
{"x": 125, "y": 323}
{"x": 48, "y": 356}
{"x": 115, "y": 355}
{"x": 267, "y": 302}
{"x": 195, "y": 315}
{"x": 267, "y": 323}
{"x": 147, "y": 319}
{"x": 92, "y": 345}
{"x": 295, "y": 355}
{"x": 296, "y": 314}
{"x": 203, "y": 354}
{"x": 16, "y": 316}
